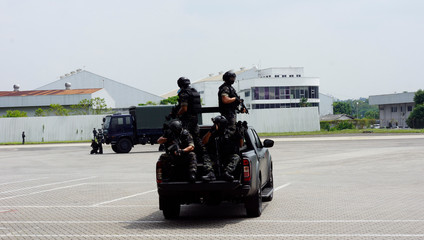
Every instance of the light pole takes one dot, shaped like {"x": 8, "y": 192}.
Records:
{"x": 357, "y": 110}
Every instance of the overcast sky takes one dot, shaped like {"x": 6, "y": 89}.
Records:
{"x": 357, "y": 48}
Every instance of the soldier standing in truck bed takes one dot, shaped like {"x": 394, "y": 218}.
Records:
{"x": 189, "y": 106}
{"x": 228, "y": 100}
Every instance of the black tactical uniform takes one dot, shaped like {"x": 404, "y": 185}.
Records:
{"x": 177, "y": 140}
{"x": 228, "y": 110}
{"x": 190, "y": 98}
{"x": 224, "y": 145}
{"x": 100, "y": 140}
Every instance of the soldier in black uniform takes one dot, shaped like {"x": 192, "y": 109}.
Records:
{"x": 189, "y": 107}
{"x": 179, "y": 150}
{"x": 100, "y": 140}
{"x": 224, "y": 146}
{"x": 228, "y": 100}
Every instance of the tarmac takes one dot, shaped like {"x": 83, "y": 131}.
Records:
{"x": 332, "y": 187}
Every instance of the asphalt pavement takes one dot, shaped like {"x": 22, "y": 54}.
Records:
{"x": 333, "y": 187}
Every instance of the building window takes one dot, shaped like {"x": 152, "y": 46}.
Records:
{"x": 409, "y": 108}
{"x": 283, "y": 75}
{"x": 401, "y": 109}
{"x": 261, "y": 93}
{"x": 394, "y": 109}
{"x": 277, "y": 76}
{"x": 298, "y": 75}
{"x": 247, "y": 94}
{"x": 291, "y": 75}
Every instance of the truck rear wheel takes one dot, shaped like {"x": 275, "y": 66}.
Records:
{"x": 124, "y": 145}
{"x": 170, "y": 208}
{"x": 253, "y": 203}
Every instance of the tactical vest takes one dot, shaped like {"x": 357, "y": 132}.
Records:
{"x": 227, "y": 108}
{"x": 194, "y": 104}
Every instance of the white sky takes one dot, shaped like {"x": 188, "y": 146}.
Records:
{"x": 357, "y": 48}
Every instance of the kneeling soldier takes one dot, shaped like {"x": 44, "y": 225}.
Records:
{"x": 179, "y": 149}
{"x": 224, "y": 145}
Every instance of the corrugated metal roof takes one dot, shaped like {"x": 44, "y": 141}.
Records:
{"x": 48, "y": 92}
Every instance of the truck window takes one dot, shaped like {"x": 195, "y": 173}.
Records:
{"x": 258, "y": 142}
{"x": 107, "y": 122}
{"x": 120, "y": 121}
{"x": 128, "y": 120}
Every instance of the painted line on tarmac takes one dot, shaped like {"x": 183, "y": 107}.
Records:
{"x": 34, "y": 179}
{"x": 49, "y": 190}
{"x": 48, "y": 184}
{"x": 352, "y": 138}
{"x": 89, "y": 206}
{"x": 122, "y": 198}
{"x": 246, "y": 221}
{"x": 282, "y": 186}
{"x": 46, "y": 145}
{"x": 205, "y": 235}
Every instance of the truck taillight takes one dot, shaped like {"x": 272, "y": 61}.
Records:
{"x": 159, "y": 172}
{"x": 246, "y": 170}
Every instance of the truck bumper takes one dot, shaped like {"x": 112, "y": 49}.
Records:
{"x": 177, "y": 188}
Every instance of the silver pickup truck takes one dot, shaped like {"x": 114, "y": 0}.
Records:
{"x": 253, "y": 182}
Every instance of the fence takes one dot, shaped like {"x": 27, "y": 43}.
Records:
{"x": 279, "y": 119}
{"x": 48, "y": 129}
{"x": 77, "y": 128}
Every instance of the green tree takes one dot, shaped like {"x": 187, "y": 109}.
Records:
{"x": 416, "y": 118}
{"x": 372, "y": 114}
{"x": 419, "y": 97}
{"x": 99, "y": 105}
{"x": 304, "y": 102}
{"x": 342, "y": 108}
{"x": 82, "y": 108}
{"x": 171, "y": 100}
{"x": 15, "y": 113}
{"x": 147, "y": 103}
{"x": 40, "y": 113}
{"x": 90, "y": 106}
{"x": 58, "y": 110}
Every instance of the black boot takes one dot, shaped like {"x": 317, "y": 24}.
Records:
{"x": 192, "y": 176}
{"x": 209, "y": 177}
{"x": 227, "y": 176}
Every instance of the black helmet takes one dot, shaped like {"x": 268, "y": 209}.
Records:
{"x": 229, "y": 77}
{"x": 221, "y": 121}
{"x": 176, "y": 127}
{"x": 183, "y": 82}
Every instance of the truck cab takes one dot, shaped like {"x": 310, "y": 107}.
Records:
{"x": 119, "y": 131}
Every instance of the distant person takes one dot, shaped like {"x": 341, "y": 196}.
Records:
{"x": 23, "y": 137}
{"x": 94, "y": 133}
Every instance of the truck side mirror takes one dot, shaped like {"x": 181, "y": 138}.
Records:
{"x": 268, "y": 143}
{"x": 104, "y": 119}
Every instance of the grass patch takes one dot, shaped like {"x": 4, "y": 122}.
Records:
{"x": 345, "y": 131}
{"x": 29, "y": 143}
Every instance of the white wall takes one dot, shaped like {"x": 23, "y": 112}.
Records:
{"x": 47, "y": 129}
{"x": 278, "y": 119}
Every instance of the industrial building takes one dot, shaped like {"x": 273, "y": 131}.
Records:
{"x": 281, "y": 87}
{"x": 70, "y": 89}
{"x": 30, "y": 101}
{"x": 394, "y": 108}
{"x": 273, "y": 94}
{"x": 123, "y": 95}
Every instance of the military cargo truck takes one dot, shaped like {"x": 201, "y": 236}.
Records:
{"x": 142, "y": 126}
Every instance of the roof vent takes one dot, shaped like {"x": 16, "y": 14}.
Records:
{"x": 220, "y": 73}
{"x": 67, "y": 74}
{"x": 16, "y": 88}
{"x": 68, "y": 86}
{"x": 73, "y": 72}
{"x": 78, "y": 70}
{"x": 210, "y": 74}
{"x": 242, "y": 68}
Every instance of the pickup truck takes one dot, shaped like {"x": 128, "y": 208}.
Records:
{"x": 253, "y": 182}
